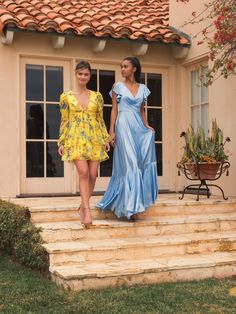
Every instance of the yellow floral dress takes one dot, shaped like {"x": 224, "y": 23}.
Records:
{"x": 82, "y": 132}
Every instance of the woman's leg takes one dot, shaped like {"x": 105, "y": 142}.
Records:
{"x": 82, "y": 167}
{"x": 93, "y": 170}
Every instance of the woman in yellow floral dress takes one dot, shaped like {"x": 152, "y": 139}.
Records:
{"x": 83, "y": 136}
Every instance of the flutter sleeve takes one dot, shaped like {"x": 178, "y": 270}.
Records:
{"x": 146, "y": 93}
{"x": 117, "y": 89}
{"x": 64, "y": 110}
{"x": 105, "y": 135}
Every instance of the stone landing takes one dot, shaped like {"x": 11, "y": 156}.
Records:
{"x": 174, "y": 240}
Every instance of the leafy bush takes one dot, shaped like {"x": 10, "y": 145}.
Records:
{"x": 20, "y": 238}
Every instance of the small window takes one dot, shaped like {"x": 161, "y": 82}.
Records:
{"x": 199, "y": 99}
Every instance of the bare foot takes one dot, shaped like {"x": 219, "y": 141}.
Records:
{"x": 81, "y": 213}
{"x": 87, "y": 216}
{"x": 134, "y": 217}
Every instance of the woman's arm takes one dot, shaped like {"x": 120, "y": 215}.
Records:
{"x": 113, "y": 117}
{"x": 64, "y": 109}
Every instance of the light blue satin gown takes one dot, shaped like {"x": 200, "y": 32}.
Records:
{"x": 133, "y": 185}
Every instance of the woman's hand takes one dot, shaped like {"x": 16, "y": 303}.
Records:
{"x": 61, "y": 150}
{"x": 112, "y": 139}
{"x": 107, "y": 147}
{"x": 149, "y": 127}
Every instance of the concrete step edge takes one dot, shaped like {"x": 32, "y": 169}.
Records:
{"x": 72, "y": 207}
{"x": 164, "y": 220}
{"x": 110, "y": 269}
{"x": 134, "y": 242}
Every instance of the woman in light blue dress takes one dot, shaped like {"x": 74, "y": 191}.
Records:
{"x": 133, "y": 185}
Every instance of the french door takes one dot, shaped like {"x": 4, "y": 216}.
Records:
{"x": 42, "y": 170}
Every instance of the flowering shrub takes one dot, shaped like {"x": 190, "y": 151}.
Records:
{"x": 220, "y": 35}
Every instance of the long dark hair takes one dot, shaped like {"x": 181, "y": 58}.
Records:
{"x": 136, "y": 63}
{"x": 83, "y": 65}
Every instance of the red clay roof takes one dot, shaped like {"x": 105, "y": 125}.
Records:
{"x": 133, "y": 19}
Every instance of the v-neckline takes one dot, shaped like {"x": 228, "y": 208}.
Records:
{"x": 78, "y": 104}
{"x": 130, "y": 90}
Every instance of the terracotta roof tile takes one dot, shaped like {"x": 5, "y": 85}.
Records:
{"x": 133, "y": 19}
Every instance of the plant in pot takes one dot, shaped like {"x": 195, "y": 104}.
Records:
{"x": 203, "y": 155}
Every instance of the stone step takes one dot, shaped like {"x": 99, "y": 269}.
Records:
{"x": 166, "y": 225}
{"x": 65, "y": 253}
{"x": 68, "y": 211}
{"x": 84, "y": 276}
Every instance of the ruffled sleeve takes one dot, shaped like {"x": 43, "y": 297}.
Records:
{"x": 146, "y": 93}
{"x": 64, "y": 110}
{"x": 117, "y": 89}
{"x": 105, "y": 135}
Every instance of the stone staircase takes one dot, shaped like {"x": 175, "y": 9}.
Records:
{"x": 174, "y": 240}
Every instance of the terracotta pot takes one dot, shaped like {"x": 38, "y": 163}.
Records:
{"x": 205, "y": 171}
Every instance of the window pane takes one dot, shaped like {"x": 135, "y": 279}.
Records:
{"x": 52, "y": 121}
{"x": 204, "y": 89}
{"x": 55, "y": 167}
{"x": 204, "y": 118}
{"x": 34, "y": 82}
{"x": 54, "y": 83}
{"x": 34, "y": 159}
{"x": 106, "y": 116}
{"x": 195, "y": 121}
{"x": 154, "y": 83}
{"x": 155, "y": 120}
{"x": 106, "y": 166}
{"x": 106, "y": 80}
{"x": 194, "y": 88}
{"x": 92, "y": 84}
{"x": 34, "y": 121}
{"x": 159, "y": 159}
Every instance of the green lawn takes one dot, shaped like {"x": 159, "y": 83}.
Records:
{"x": 23, "y": 291}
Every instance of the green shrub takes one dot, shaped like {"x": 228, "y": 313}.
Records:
{"x": 20, "y": 238}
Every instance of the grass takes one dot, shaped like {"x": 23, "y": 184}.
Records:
{"x": 25, "y": 291}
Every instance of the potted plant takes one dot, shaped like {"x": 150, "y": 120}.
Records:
{"x": 203, "y": 155}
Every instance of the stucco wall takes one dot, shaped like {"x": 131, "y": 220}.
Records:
{"x": 9, "y": 121}
{"x": 222, "y": 94}
{"x": 181, "y": 13}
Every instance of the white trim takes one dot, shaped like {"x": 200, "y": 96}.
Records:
{"x": 18, "y": 119}
{"x": 196, "y": 60}
{"x": 41, "y": 184}
{"x": 95, "y": 61}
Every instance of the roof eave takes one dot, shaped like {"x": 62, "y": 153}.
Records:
{"x": 72, "y": 34}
